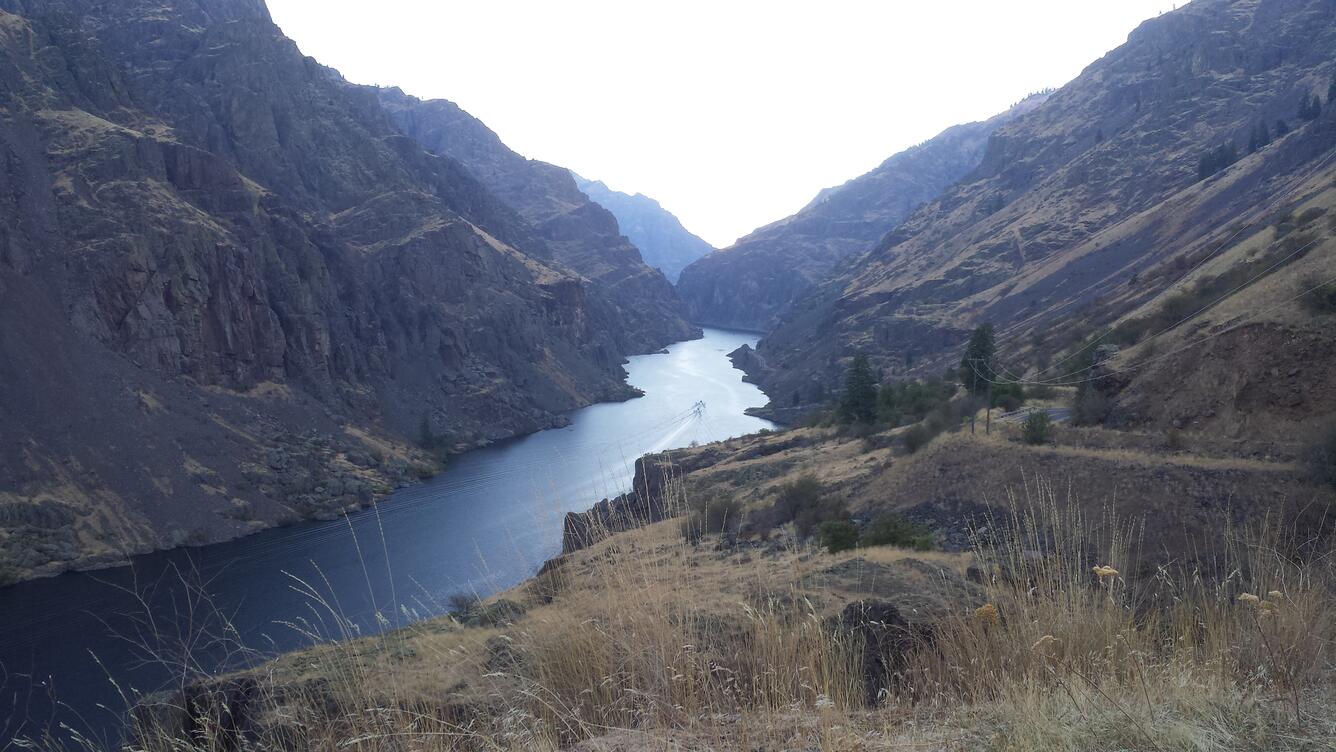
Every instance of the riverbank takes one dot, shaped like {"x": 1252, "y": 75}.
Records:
{"x": 486, "y": 523}
{"x": 749, "y": 635}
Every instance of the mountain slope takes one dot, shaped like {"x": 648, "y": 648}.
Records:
{"x": 752, "y": 283}
{"x": 660, "y": 236}
{"x": 581, "y": 235}
{"x": 227, "y": 281}
{"x": 1089, "y": 209}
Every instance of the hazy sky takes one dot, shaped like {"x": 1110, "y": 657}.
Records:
{"x": 732, "y": 113}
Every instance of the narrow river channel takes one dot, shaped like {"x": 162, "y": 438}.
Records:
{"x": 486, "y": 523}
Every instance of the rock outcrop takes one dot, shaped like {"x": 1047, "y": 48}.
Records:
{"x": 228, "y": 281}
{"x": 754, "y": 282}
{"x": 660, "y": 236}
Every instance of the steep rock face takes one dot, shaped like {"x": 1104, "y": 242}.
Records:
{"x": 752, "y": 283}
{"x": 580, "y": 234}
{"x": 1089, "y": 207}
{"x": 665, "y": 244}
{"x": 227, "y": 279}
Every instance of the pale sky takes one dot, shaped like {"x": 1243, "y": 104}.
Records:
{"x": 732, "y": 113}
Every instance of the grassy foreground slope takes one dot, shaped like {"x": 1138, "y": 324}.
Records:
{"x": 1108, "y": 593}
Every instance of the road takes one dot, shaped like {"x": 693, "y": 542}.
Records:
{"x": 1055, "y": 414}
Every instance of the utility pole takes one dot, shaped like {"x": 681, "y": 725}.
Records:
{"x": 969, "y": 387}
{"x": 988, "y": 421}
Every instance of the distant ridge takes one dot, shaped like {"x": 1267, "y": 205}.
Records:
{"x": 752, "y": 283}
{"x": 663, "y": 242}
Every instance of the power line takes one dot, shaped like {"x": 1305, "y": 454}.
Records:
{"x": 1181, "y": 321}
{"x": 1162, "y": 356}
{"x": 1209, "y": 257}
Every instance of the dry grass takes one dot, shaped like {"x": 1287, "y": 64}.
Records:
{"x": 646, "y": 641}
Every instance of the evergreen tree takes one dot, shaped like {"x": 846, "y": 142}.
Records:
{"x": 1331, "y": 92}
{"x": 1217, "y": 159}
{"x": 976, "y": 367}
{"x": 1260, "y": 137}
{"x": 859, "y": 402}
{"x": 426, "y": 439}
{"x": 1310, "y": 106}
{"x": 1282, "y": 128}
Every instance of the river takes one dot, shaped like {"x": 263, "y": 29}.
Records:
{"x": 488, "y": 522}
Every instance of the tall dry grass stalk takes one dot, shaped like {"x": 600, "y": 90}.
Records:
{"x": 1079, "y": 645}
{"x": 1084, "y": 644}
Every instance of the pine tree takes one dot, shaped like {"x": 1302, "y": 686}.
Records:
{"x": 1259, "y": 138}
{"x": 1217, "y": 159}
{"x": 976, "y": 367}
{"x": 1282, "y": 128}
{"x": 1331, "y": 92}
{"x": 426, "y": 439}
{"x": 859, "y": 402}
{"x": 1310, "y": 106}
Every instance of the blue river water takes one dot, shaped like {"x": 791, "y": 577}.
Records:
{"x": 74, "y": 647}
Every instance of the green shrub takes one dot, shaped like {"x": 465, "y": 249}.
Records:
{"x": 916, "y": 438}
{"x": 715, "y": 514}
{"x": 1322, "y": 457}
{"x": 9, "y": 574}
{"x": 1288, "y": 247}
{"x": 904, "y": 402}
{"x": 837, "y": 535}
{"x": 1319, "y": 298}
{"x": 1311, "y": 214}
{"x": 1008, "y": 395}
{"x": 421, "y": 470}
{"x": 1090, "y": 407}
{"x": 805, "y": 503}
{"x": 1217, "y": 159}
{"x": 463, "y": 604}
{"x": 894, "y": 530}
{"x": 1040, "y": 392}
{"x": 1037, "y": 428}
{"x": 1173, "y": 440}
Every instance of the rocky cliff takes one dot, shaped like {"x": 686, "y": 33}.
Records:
{"x": 1101, "y": 208}
{"x": 660, "y": 236}
{"x": 752, "y": 283}
{"x": 228, "y": 280}
{"x": 579, "y": 234}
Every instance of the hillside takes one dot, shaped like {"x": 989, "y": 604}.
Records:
{"x": 713, "y": 632}
{"x": 665, "y": 244}
{"x": 581, "y": 234}
{"x": 752, "y": 284}
{"x": 1089, "y": 212}
{"x": 230, "y": 286}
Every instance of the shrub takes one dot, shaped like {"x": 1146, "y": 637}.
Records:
{"x": 1008, "y": 395}
{"x": 1040, "y": 392}
{"x": 463, "y": 603}
{"x": 1322, "y": 457}
{"x": 894, "y": 530}
{"x": 904, "y": 402}
{"x": 9, "y": 574}
{"x": 1173, "y": 440}
{"x": 1217, "y": 159}
{"x": 837, "y": 535}
{"x": 718, "y": 514}
{"x": 1091, "y": 408}
{"x": 804, "y": 503}
{"x": 1318, "y": 297}
{"x": 1037, "y": 428}
{"x": 917, "y": 437}
{"x": 421, "y": 470}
